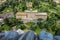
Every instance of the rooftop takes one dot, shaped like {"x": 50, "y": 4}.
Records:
{"x": 31, "y": 10}
{"x": 43, "y": 13}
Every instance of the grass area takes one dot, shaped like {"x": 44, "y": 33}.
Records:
{"x": 7, "y": 10}
{"x": 37, "y": 30}
{"x": 30, "y": 23}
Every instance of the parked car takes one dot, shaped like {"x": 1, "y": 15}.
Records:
{"x": 29, "y": 35}
{"x": 2, "y": 36}
{"x": 57, "y": 37}
{"x": 11, "y": 35}
{"x": 43, "y": 35}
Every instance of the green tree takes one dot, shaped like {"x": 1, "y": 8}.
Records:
{"x": 40, "y": 23}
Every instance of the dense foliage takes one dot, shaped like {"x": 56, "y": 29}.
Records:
{"x": 52, "y": 8}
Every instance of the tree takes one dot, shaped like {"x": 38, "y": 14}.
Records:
{"x": 51, "y": 22}
{"x": 21, "y": 26}
{"x": 35, "y": 4}
{"x": 40, "y": 23}
{"x": 2, "y": 6}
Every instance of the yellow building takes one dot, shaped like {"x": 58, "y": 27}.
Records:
{"x": 31, "y": 15}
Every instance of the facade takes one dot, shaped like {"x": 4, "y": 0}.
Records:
{"x": 1, "y": 17}
{"x": 31, "y": 15}
{"x": 7, "y": 15}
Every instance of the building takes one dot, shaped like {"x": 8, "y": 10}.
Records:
{"x": 31, "y": 15}
{"x": 2, "y": 1}
{"x": 1, "y": 17}
{"x": 29, "y": 4}
{"x": 21, "y": 15}
{"x": 7, "y": 15}
{"x": 58, "y": 23}
{"x": 57, "y": 1}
